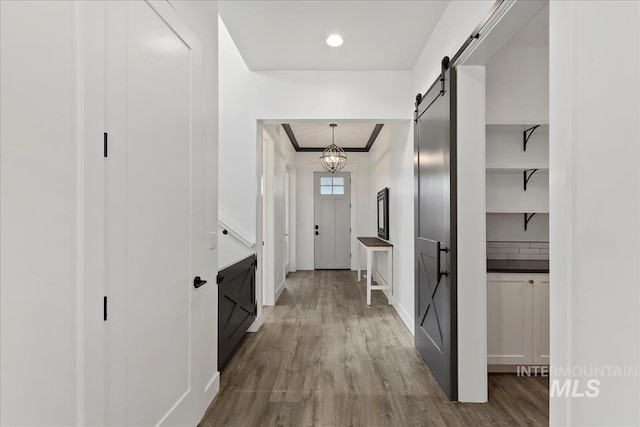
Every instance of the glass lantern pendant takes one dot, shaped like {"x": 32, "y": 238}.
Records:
{"x": 333, "y": 158}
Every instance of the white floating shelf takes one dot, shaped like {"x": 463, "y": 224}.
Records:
{"x": 524, "y": 124}
{"x": 510, "y": 210}
{"x": 517, "y": 168}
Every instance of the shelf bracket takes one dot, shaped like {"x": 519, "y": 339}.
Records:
{"x": 526, "y": 176}
{"x": 527, "y": 218}
{"x": 526, "y": 135}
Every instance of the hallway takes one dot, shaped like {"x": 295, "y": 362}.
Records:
{"x": 322, "y": 357}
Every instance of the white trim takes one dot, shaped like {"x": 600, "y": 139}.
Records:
{"x": 405, "y": 316}
{"x": 235, "y": 233}
{"x": 259, "y": 250}
{"x": 280, "y": 290}
{"x": 500, "y": 12}
{"x": 80, "y": 214}
{"x": 255, "y": 326}
{"x": 215, "y": 383}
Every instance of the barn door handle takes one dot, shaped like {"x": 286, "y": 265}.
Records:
{"x": 441, "y": 272}
{"x": 197, "y": 282}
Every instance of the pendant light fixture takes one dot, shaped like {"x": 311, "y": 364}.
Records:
{"x": 333, "y": 158}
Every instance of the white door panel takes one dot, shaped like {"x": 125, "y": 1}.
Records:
{"x": 153, "y": 223}
{"x": 332, "y": 227}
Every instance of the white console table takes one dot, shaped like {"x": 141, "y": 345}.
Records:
{"x": 372, "y": 245}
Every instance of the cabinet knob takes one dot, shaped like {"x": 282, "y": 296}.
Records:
{"x": 531, "y": 281}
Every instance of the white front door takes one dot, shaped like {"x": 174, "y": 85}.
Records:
{"x": 332, "y": 229}
{"x": 155, "y": 221}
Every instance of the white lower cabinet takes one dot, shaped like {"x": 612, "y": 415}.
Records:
{"x": 517, "y": 319}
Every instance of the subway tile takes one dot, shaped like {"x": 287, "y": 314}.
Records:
{"x": 497, "y": 244}
{"x": 541, "y": 245}
{"x": 529, "y": 251}
{"x": 493, "y": 250}
{"x": 519, "y": 256}
{"x": 541, "y": 256}
{"x": 544, "y": 251}
{"x": 509, "y": 250}
{"x": 519, "y": 244}
{"x": 497, "y": 256}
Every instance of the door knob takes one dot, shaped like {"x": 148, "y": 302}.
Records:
{"x": 197, "y": 282}
{"x": 317, "y": 233}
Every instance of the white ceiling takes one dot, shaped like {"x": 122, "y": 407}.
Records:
{"x": 290, "y": 35}
{"x": 318, "y": 135}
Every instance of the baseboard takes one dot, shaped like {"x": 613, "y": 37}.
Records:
{"x": 210, "y": 393}
{"x": 404, "y": 315}
{"x": 255, "y": 326}
{"x": 215, "y": 383}
{"x": 279, "y": 291}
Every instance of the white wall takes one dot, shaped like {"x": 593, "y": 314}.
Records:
{"x": 51, "y": 280}
{"x": 518, "y": 86}
{"x": 392, "y": 166}
{"x": 595, "y": 205}
{"x": 457, "y": 22}
{"x": 362, "y": 204}
{"x": 40, "y": 228}
{"x": 248, "y": 96}
{"x": 392, "y": 163}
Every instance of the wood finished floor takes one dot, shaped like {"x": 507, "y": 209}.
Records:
{"x": 324, "y": 358}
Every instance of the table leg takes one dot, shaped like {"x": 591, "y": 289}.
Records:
{"x": 369, "y": 276}
{"x": 358, "y": 261}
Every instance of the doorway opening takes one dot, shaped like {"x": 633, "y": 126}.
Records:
{"x": 511, "y": 60}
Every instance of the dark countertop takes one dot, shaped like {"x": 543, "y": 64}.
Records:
{"x": 517, "y": 266}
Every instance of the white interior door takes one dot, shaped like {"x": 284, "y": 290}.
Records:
{"x": 332, "y": 229}
{"x": 154, "y": 225}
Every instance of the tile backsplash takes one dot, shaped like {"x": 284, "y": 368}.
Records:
{"x": 518, "y": 250}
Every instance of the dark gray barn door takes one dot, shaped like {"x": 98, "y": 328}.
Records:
{"x": 435, "y": 285}
{"x": 236, "y": 306}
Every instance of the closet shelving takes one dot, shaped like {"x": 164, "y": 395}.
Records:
{"x": 517, "y": 168}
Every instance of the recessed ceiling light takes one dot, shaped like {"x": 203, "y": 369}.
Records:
{"x": 334, "y": 40}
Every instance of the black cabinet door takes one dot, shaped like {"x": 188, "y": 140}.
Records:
{"x": 236, "y": 306}
{"x": 435, "y": 284}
